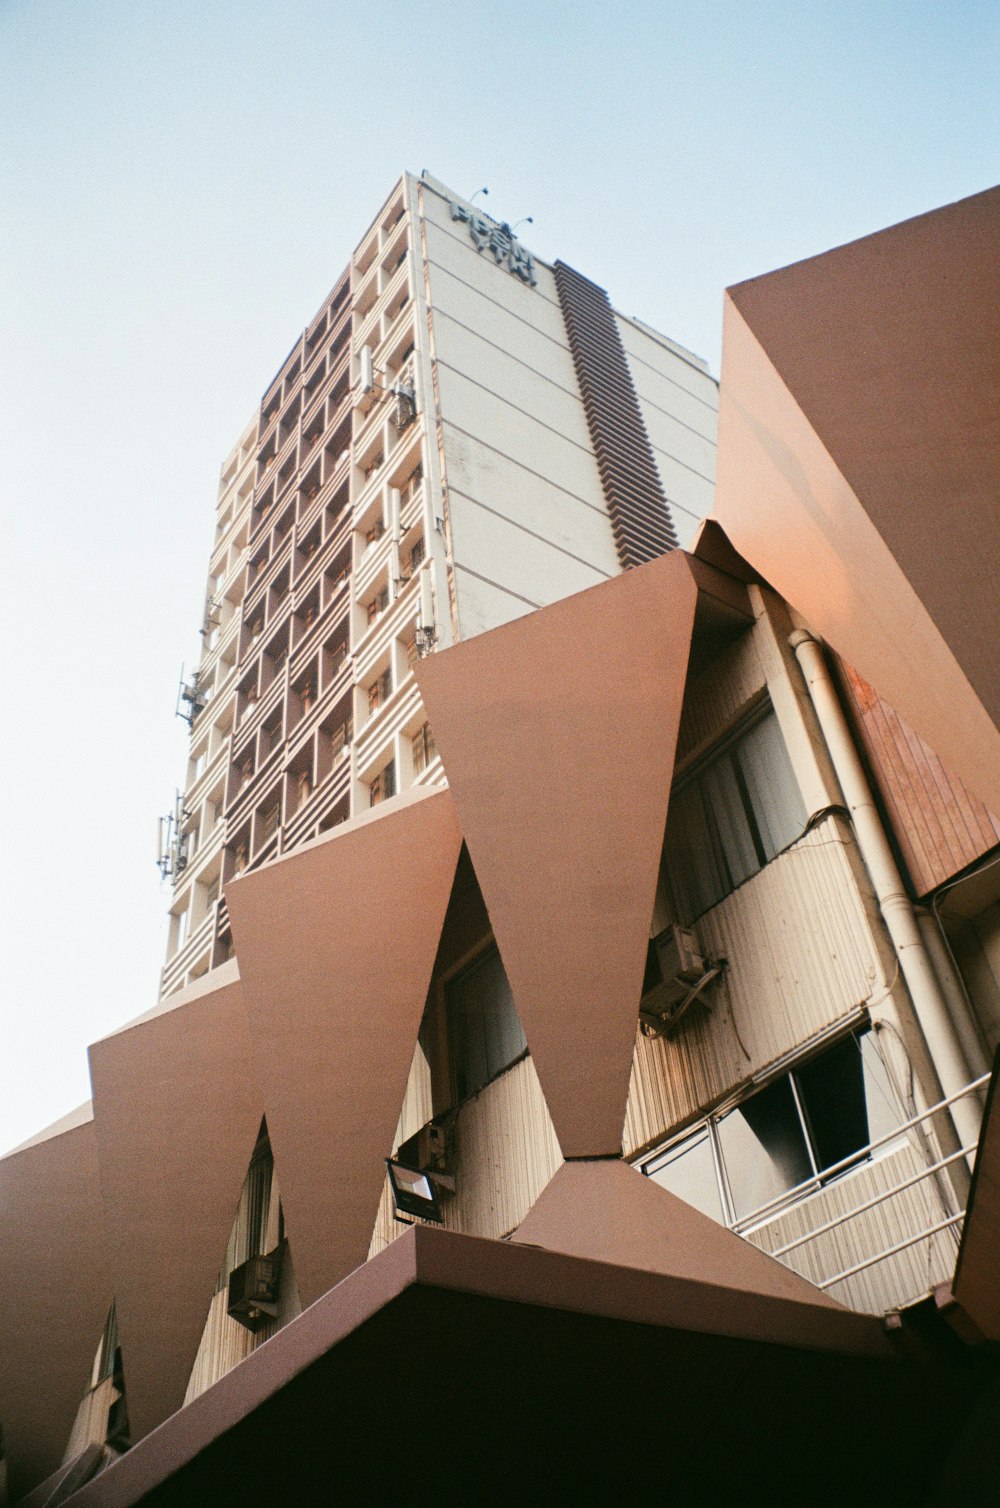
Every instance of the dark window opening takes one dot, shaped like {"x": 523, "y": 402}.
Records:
{"x": 484, "y": 1030}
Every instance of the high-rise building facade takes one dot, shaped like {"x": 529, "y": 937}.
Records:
{"x": 462, "y": 434}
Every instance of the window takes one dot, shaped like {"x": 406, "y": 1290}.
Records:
{"x": 791, "y": 1131}
{"x": 730, "y": 816}
{"x": 380, "y": 690}
{"x": 384, "y": 784}
{"x": 378, "y": 604}
{"x": 484, "y": 1030}
{"x": 424, "y": 748}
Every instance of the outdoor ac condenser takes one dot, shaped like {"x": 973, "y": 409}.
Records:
{"x": 681, "y": 963}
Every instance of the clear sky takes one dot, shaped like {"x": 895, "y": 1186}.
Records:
{"x": 180, "y": 185}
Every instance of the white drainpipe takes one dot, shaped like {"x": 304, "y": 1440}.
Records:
{"x": 940, "y": 1034}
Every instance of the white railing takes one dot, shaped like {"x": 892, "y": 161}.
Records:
{"x": 807, "y": 1194}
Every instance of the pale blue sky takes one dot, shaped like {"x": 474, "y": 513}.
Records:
{"x": 180, "y": 185}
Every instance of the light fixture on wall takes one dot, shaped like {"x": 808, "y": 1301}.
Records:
{"x": 413, "y": 1192}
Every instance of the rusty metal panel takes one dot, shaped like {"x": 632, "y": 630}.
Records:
{"x": 801, "y": 956}
{"x": 939, "y": 826}
{"x": 557, "y": 734}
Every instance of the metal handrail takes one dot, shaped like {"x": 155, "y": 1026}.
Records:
{"x": 869, "y": 1204}
{"x": 892, "y": 1251}
{"x": 746, "y": 1226}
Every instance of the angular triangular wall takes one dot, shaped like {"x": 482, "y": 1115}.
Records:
{"x": 336, "y": 945}
{"x": 56, "y": 1293}
{"x": 609, "y": 1212}
{"x": 859, "y": 445}
{"x": 177, "y": 1110}
{"x": 557, "y": 733}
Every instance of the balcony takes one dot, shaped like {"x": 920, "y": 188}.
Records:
{"x": 878, "y": 1229}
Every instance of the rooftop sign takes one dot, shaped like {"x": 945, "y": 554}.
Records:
{"x": 491, "y": 235}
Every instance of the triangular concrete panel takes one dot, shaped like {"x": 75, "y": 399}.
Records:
{"x": 859, "y": 445}
{"x": 177, "y": 1109}
{"x": 56, "y": 1293}
{"x": 557, "y": 733}
{"x": 609, "y": 1212}
{"x": 336, "y": 945}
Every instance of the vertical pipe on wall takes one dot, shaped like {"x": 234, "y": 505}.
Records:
{"x": 929, "y": 1002}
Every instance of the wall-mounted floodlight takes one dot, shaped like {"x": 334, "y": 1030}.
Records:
{"x": 412, "y": 1192}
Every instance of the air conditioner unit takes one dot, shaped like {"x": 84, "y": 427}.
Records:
{"x": 432, "y": 1151}
{"x": 684, "y": 975}
{"x": 253, "y": 1290}
{"x": 365, "y": 395}
{"x": 679, "y": 956}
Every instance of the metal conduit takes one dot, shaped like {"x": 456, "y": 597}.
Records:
{"x": 931, "y": 1007}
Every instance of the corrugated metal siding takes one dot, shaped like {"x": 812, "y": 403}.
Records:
{"x": 801, "y": 956}
{"x": 898, "y": 1279}
{"x": 91, "y": 1424}
{"x": 225, "y": 1343}
{"x": 506, "y": 1153}
{"x": 939, "y": 826}
{"x": 418, "y": 1105}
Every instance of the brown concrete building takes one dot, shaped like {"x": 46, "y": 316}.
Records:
{"x": 666, "y": 985}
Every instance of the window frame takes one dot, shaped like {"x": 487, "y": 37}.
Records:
{"x": 685, "y": 902}
{"x": 708, "y": 1124}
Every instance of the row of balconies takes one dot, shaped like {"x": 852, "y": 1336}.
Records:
{"x": 373, "y": 325}
{"x": 379, "y": 236}
{"x": 300, "y": 792}
{"x": 321, "y": 347}
{"x": 238, "y": 457}
{"x": 370, "y": 285}
{"x": 283, "y": 617}
{"x": 279, "y": 506}
{"x": 288, "y": 714}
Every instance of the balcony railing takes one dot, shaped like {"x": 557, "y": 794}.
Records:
{"x": 871, "y": 1251}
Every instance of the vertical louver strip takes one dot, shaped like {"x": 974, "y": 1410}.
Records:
{"x": 637, "y": 505}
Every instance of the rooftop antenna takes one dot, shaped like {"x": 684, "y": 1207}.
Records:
{"x": 528, "y": 220}
{"x": 477, "y": 194}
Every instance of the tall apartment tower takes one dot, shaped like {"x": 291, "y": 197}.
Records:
{"x": 462, "y": 434}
